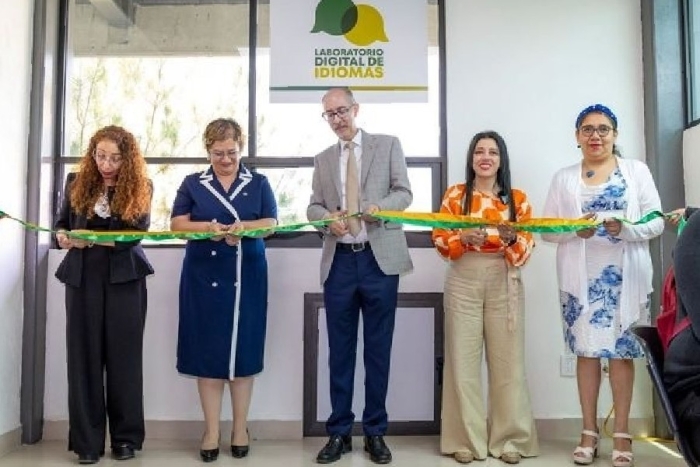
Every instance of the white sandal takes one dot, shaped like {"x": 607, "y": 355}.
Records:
{"x": 622, "y": 458}
{"x": 584, "y": 455}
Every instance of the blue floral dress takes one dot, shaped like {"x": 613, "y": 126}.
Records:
{"x": 593, "y": 334}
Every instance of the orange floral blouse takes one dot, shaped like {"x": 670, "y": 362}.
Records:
{"x": 490, "y": 207}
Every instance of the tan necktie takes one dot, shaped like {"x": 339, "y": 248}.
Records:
{"x": 352, "y": 191}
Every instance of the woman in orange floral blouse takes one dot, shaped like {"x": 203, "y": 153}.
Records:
{"x": 484, "y": 308}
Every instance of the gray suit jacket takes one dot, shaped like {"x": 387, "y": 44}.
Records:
{"x": 384, "y": 182}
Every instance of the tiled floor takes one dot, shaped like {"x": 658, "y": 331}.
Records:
{"x": 407, "y": 451}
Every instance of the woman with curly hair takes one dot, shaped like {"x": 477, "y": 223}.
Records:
{"x": 105, "y": 295}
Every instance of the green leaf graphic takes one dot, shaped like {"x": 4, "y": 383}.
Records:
{"x": 335, "y": 17}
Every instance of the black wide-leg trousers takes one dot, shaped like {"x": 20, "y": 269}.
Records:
{"x": 104, "y": 341}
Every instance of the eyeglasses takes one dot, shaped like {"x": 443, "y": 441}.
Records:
{"x": 588, "y": 130}
{"x": 101, "y": 158}
{"x": 220, "y": 155}
{"x": 341, "y": 112}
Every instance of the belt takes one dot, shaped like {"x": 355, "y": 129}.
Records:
{"x": 354, "y": 247}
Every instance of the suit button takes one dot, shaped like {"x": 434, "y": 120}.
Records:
{"x": 214, "y": 284}
{"x": 213, "y": 252}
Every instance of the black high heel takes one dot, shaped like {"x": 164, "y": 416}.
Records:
{"x": 241, "y": 451}
{"x": 209, "y": 455}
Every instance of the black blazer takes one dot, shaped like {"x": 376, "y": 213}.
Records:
{"x": 127, "y": 260}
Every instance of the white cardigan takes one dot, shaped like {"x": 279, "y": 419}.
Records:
{"x": 564, "y": 200}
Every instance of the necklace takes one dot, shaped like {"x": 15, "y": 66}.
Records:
{"x": 589, "y": 173}
{"x": 485, "y": 192}
{"x": 493, "y": 191}
{"x": 102, "y": 206}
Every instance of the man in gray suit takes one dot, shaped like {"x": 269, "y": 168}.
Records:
{"x": 360, "y": 266}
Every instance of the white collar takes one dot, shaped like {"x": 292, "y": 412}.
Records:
{"x": 357, "y": 139}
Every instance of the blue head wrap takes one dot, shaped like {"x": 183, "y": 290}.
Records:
{"x": 597, "y": 108}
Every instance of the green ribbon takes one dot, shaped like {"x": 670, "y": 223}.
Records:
{"x": 130, "y": 236}
{"x": 441, "y": 221}
{"x": 535, "y": 225}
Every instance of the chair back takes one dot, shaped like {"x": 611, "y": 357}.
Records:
{"x": 648, "y": 338}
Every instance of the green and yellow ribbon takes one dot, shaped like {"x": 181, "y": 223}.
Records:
{"x": 132, "y": 235}
{"x": 534, "y": 225}
{"x": 432, "y": 220}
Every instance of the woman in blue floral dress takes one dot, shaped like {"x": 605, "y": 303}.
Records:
{"x": 604, "y": 273}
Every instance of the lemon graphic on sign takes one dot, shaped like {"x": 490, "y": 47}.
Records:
{"x": 335, "y": 17}
{"x": 360, "y": 24}
{"x": 369, "y": 27}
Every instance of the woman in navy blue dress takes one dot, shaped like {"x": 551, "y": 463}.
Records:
{"x": 223, "y": 285}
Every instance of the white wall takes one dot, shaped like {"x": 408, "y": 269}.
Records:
{"x": 691, "y": 165}
{"x": 15, "y": 43}
{"x": 278, "y": 393}
{"x": 522, "y": 68}
{"x": 525, "y": 69}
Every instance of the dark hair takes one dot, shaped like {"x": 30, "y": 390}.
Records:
{"x": 502, "y": 175}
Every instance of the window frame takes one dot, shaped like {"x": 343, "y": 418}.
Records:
{"x": 306, "y": 239}
{"x": 691, "y": 55}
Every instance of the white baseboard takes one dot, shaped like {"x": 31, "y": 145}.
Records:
{"x": 192, "y": 430}
{"x": 10, "y": 441}
{"x": 289, "y": 430}
{"x": 558, "y": 428}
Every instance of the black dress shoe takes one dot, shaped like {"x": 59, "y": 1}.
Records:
{"x": 378, "y": 451}
{"x": 209, "y": 455}
{"x": 88, "y": 458}
{"x": 336, "y": 446}
{"x": 240, "y": 451}
{"x": 122, "y": 452}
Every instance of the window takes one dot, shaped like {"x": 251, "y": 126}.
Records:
{"x": 165, "y": 68}
{"x": 691, "y": 12}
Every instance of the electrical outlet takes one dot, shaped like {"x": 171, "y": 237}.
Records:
{"x": 567, "y": 365}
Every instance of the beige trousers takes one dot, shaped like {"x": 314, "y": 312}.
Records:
{"x": 484, "y": 309}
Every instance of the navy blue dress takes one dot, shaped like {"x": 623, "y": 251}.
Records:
{"x": 223, "y": 289}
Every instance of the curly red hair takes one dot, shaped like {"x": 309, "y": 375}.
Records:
{"x": 132, "y": 194}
